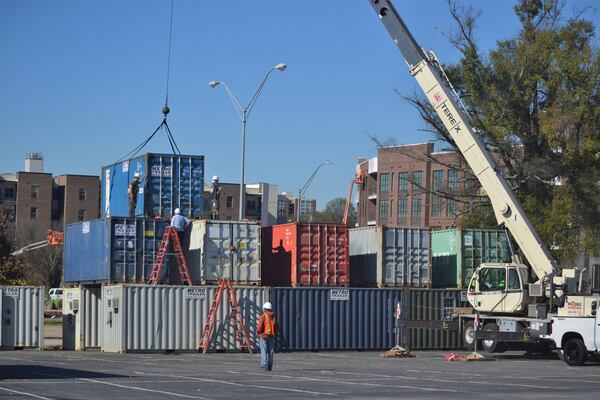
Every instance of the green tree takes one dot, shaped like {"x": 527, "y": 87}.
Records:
{"x": 12, "y": 270}
{"x": 334, "y": 212}
{"x": 535, "y": 98}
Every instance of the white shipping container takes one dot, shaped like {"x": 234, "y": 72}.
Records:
{"x": 82, "y": 314}
{"x": 22, "y": 317}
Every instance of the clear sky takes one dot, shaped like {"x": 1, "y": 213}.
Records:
{"x": 83, "y": 82}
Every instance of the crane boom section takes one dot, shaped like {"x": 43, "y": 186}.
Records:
{"x": 430, "y": 76}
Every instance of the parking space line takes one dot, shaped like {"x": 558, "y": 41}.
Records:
{"x": 142, "y": 389}
{"x": 35, "y": 396}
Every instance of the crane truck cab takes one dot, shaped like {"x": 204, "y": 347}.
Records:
{"x": 499, "y": 287}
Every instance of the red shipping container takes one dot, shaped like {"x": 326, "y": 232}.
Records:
{"x": 305, "y": 254}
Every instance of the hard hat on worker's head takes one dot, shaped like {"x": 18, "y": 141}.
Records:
{"x": 177, "y": 211}
{"x": 136, "y": 175}
{"x": 267, "y": 306}
{"x": 215, "y": 178}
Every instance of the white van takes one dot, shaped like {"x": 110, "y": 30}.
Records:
{"x": 55, "y": 294}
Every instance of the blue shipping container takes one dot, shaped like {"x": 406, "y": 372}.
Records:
{"x": 112, "y": 250}
{"x": 168, "y": 182}
{"x": 335, "y": 318}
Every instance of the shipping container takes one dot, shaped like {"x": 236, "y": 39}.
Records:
{"x": 114, "y": 250}
{"x": 387, "y": 256}
{"x": 22, "y": 310}
{"x": 224, "y": 249}
{"x": 456, "y": 253}
{"x": 142, "y": 318}
{"x": 335, "y": 318}
{"x": 82, "y": 316}
{"x": 427, "y": 305}
{"x": 306, "y": 254}
{"x": 167, "y": 182}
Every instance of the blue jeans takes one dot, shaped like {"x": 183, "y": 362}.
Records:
{"x": 266, "y": 352}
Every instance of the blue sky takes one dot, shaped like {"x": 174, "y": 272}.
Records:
{"x": 83, "y": 82}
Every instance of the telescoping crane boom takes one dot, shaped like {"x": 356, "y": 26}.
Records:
{"x": 513, "y": 288}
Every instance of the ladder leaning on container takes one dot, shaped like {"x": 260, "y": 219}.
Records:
{"x": 237, "y": 319}
{"x": 170, "y": 233}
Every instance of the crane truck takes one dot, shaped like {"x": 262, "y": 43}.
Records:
{"x": 513, "y": 302}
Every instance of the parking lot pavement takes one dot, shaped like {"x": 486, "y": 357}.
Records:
{"x": 96, "y": 375}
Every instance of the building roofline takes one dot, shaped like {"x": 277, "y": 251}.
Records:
{"x": 403, "y": 145}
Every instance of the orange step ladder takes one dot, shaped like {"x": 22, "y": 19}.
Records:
{"x": 236, "y": 316}
{"x": 170, "y": 234}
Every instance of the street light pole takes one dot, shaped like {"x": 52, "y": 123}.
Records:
{"x": 304, "y": 188}
{"x": 244, "y": 113}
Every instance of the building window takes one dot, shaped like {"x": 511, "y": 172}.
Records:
{"x": 9, "y": 193}
{"x": 438, "y": 179}
{"x": 403, "y": 181}
{"x": 229, "y": 201}
{"x": 452, "y": 208}
{"x": 384, "y": 182}
{"x": 417, "y": 180}
{"x": 82, "y": 194}
{"x": 453, "y": 178}
{"x": 251, "y": 205}
{"x": 416, "y": 208}
{"x": 402, "y": 207}
{"x": 383, "y": 209}
{"x": 33, "y": 213}
{"x": 80, "y": 215}
{"x": 35, "y": 189}
{"x": 436, "y": 206}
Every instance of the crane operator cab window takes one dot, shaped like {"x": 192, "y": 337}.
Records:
{"x": 495, "y": 279}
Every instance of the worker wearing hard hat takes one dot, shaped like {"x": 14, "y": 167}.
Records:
{"x": 266, "y": 330}
{"x": 132, "y": 193}
{"x": 179, "y": 222}
{"x": 215, "y": 195}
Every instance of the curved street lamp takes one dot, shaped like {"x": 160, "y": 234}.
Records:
{"x": 244, "y": 113}
{"x": 303, "y": 189}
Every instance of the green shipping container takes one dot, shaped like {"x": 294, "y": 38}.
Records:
{"x": 455, "y": 254}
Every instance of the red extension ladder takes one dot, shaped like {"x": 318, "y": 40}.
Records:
{"x": 170, "y": 233}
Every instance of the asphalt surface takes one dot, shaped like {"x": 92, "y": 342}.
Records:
{"x": 96, "y": 375}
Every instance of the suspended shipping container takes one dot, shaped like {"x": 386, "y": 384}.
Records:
{"x": 456, "y": 253}
{"x": 22, "y": 310}
{"x": 113, "y": 250}
{"x": 142, "y": 318}
{"x": 386, "y": 256}
{"x": 224, "y": 249}
{"x": 82, "y": 316}
{"x": 305, "y": 254}
{"x": 335, "y": 318}
{"x": 167, "y": 182}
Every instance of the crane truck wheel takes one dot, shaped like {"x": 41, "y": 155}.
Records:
{"x": 469, "y": 336}
{"x": 574, "y": 352}
{"x": 492, "y": 346}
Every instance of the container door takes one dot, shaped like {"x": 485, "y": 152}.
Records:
{"x": 124, "y": 250}
{"x": 308, "y": 269}
{"x": 70, "y": 312}
{"x": 334, "y": 255}
{"x": 218, "y": 257}
{"x": 245, "y": 257}
{"x": 113, "y": 336}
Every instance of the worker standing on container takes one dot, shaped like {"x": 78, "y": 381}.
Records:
{"x": 132, "y": 192}
{"x": 215, "y": 195}
{"x": 266, "y": 329}
{"x": 179, "y": 222}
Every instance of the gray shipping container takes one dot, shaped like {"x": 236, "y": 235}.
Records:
{"x": 140, "y": 318}
{"x": 22, "y": 317}
{"x": 432, "y": 305}
{"x": 386, "y": 256}
{"x": 224, "y": 249}
{"x": 82, "y": 315}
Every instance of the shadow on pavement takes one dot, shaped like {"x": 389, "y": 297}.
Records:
{"x": 44, "y": 372}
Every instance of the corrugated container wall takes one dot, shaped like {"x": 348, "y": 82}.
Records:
{"x": 167, "y": 182}
{"x": 112, "y": 250}
{"x": 335, "y": 318}
{"x": 386, "y": 256}
{"x": 22, "y": 317}
{"x": 82, "y": 317}
{"x": 428, "y": 305}
{"x": 224, "y": 249}
{"x": 159, "y": 318}
{"x": 456, "y": 253}
{"x": 307, "y": 254}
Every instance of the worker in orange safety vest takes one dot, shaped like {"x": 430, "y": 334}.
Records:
{"x": 266, "y": 330}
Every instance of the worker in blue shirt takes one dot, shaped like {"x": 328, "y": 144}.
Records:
{"x": 179, "y": 222}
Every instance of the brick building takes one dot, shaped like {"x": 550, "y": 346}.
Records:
{"x": 406, "y": 186}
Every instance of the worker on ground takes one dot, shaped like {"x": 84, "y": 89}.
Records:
{"x": 179, "y": 222}
{"x": 132, "y": 193}
{"x": 266, "y": 330}
{"x": 215, "y": 195}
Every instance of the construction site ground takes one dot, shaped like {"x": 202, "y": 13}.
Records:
{"x": 89, "y": 375}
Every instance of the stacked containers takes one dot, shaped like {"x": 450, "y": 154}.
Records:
{"x": 306, "y": 254}
{"x": 224, "y": 249}
{"x": 167, "y": 182}
{"x": 388, "y": 256}
{"x": 456, "y": 253}
{"x": 111, "y": 250}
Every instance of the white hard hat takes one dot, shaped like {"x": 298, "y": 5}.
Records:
{"x": 215, "y": 178}
{"x": 137, "y": 175}
{"x": 177, "y": 211}
{"x": 267, "y": 306}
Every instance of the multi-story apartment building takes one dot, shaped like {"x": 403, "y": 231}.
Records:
{"x": 410, "y": 185}
{"x": 287, "y": 206}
